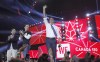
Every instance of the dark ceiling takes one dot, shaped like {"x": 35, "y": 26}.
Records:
{"x": 15, "y": 13}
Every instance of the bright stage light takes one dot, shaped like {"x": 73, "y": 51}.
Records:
{"x": 78, "y": 29}
{"x": 63, "y": 37}
{"x": 63, "y": 25}
{"x": 76, "y": 22}
{"x": 29, "y": 12}
{"x": 98, "y": 12}
{"x": 90, "y": 35}
{"x": 70, "y": 38}
{"x": 77, "y": 26}
{"x": 89, "y": 28}
{"x": 88, "y": 21}
{"x": 76, "y": 16}
{"x": 87, "y": 14}
{"x": 62, "y": 18}
{"x": 63, "y": 31}
{"x": 78, "y": 36}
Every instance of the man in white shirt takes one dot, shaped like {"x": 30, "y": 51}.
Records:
{"x": 52, "y": 32}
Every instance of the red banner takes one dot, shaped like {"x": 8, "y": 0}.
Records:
{"x": 97, "y": 18}
{"x": 77, "y": 46}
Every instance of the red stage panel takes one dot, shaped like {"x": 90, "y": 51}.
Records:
{"x": 97, "y": 18}
{"x": 38, "y": 34}
{"x": 42, "y": 50}
{"x": 33, "y": 53}
{"x": 76, "y": 46}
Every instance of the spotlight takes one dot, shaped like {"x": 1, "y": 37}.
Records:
{"x": 77, "y": 26}
{"x": 78, "y": 29}
{"x": 63, "y": 37}
{"x": 89, "y": 28}
{"x": 63, "y": 25}
{"x": 87, "y": 14}
{"x": 70, "y": 38}
{"x": 29, "y": 12}
{"x": 88, "y": 21}
{"x": 35, "y": 2}
{"x": 76, "y": 16}
{"x": 78, "y": 36}
{"x": 63, "y": 31}
{"x": 62, "y": 18}
{"x": 98, "y": 12}
{"x": 76, "y": 22}
{"x": 63, "y": 28}
{"x": 88, "y": 18}
{"x": 90, "y": 35}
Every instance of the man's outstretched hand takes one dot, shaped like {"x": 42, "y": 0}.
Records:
{"x": 45, "y": 6}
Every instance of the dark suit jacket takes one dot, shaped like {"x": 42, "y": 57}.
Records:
{"x": 14, "y": 42}
{"x": 26, "y": 41}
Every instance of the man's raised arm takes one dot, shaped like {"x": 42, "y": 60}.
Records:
{"x": 44, "y": 14}
{"x": 44, "y": 11}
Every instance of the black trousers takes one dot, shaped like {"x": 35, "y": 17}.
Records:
{"x": 51, "y": 43}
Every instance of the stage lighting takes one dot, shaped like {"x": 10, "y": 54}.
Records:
{"x": 63, "y": 25}
{"x": 29, "y": 12}
{"x": 62, "y": 18}
{"x": 88, "y": 21}
{"x": 63, "y": 37}
{"x": 70, "y": 38}
{"x": 78, "y": 29}
{"x": 78, "y": 36}
{"x": 76, "y": 16}
{"x": 77, "y": 26}
{"x": 87, "y": 14}
{"x": 90, "y": 35}
{"x": 89, "y": 28}
{"x": 63, "y": 31}
{"x": 98, "y": 12}
{"x": 76, "y": 22}
{"x": 35, "y": 2}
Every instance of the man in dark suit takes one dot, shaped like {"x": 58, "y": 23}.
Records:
{"x": 12, "y": 45}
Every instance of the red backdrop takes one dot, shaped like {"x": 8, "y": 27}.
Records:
{"x": 97, "y": 18}
{"x": 76, "y": 46}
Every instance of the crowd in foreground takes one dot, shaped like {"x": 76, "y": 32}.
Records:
{"x": 47, "y": 58}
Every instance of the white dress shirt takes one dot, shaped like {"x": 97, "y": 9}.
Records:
{"x": 49, "y": 30}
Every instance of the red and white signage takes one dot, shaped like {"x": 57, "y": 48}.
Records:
{"x": 76, "y": 46}
{"x": 61, "y": 50}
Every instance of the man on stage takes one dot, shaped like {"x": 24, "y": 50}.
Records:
{"x": 12, "y": 45}
{"x": 52, "y": 32}
{"x": 25, "y": 35}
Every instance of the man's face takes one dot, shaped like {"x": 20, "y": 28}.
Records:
{"x": 13, "y": 31}
{"x": 26, "y": 27}
{"x": 51, "y": 20}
